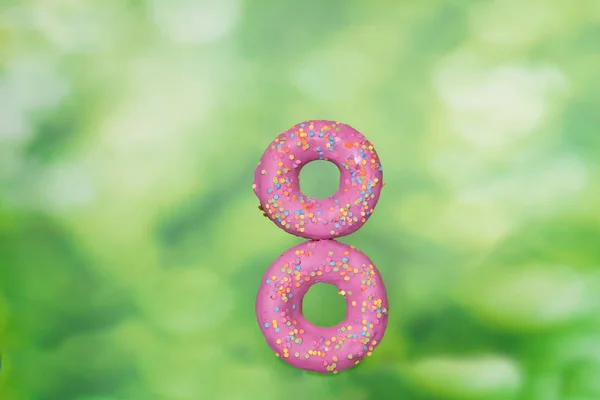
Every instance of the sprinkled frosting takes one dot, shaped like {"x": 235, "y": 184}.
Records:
{"x": 296, "y": 340}
{"x": 277, "y": 186}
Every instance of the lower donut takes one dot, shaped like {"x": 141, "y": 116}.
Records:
{"x": 322, "y": 349}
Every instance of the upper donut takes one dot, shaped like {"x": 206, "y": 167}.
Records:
{"x": 277, "y": 185}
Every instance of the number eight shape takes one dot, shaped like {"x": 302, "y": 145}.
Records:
{"x": 322, "y": 259}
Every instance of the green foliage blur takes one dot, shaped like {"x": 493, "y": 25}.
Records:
{"x": 131, "y": 246}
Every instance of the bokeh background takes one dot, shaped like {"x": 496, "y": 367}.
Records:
{"x": 131, "y": 247}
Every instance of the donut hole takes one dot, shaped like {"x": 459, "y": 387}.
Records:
{"x": 323, "y": 305}
{"x": 319, "y": 179}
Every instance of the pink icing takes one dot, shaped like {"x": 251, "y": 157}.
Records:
{"x": 277, "y": 186}
{"x": 302, "y": 344}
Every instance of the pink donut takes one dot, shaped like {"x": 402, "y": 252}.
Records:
{"x": 313, "y": 348}
{"x": 277, "y": 185}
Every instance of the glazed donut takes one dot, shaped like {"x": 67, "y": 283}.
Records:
{"x": 302, "y": 344}
{"x": 277, "y": 185}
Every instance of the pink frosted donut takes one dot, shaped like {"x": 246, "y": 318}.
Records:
{"x": 313, "y": 348}
{"x": 277, "y": 185}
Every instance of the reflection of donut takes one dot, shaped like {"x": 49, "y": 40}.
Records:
{"x": 277, "y": 186}
{"x": 297, "y": 341}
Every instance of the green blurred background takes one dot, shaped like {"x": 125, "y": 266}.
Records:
{"x": 131, "y": 247}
